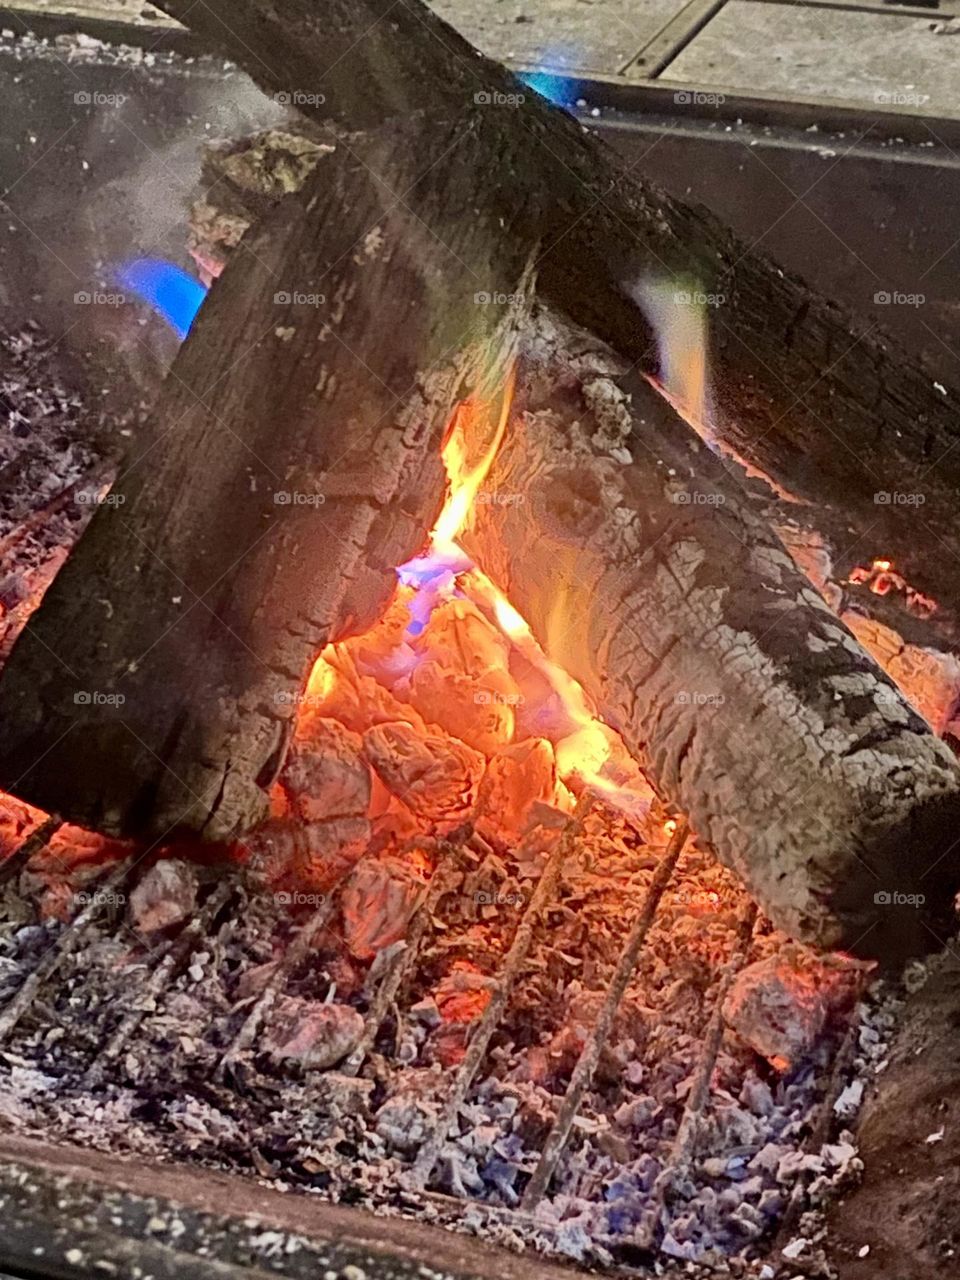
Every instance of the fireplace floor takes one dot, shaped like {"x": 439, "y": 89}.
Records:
{"x": 164, "y": 1096}
{"x": 75, "y": 1213}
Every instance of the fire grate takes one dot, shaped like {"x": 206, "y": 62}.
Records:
{"x": 559, "y": 1075}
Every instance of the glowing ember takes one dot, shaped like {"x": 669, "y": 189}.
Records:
{"x": 882, "y": 579}
{"x": 450, "y": 604}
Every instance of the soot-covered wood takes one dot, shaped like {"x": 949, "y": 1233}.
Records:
{"x": 646, "y": 573}
{"x": 795, "y": 754}
{"x": 293, "y": 463}
{"x": 834, "y": 411}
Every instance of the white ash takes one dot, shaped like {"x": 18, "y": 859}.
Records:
{"x": 351, "y": 1139}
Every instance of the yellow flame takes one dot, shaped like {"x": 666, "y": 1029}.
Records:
{"x": 322, "y": 678}
{"x": 465, "y": 480}
{"x": 679, "y": 320}
{"x": 586, "y": 752}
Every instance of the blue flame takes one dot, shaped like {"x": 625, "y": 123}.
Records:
{"x": 556, "y": 89}
{"x": 171, "y": 292}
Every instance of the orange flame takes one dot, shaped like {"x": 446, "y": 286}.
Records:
{"x": 591, "y": 754}
{"x": 465, "y": 480}
{"x": 587, "y": 752}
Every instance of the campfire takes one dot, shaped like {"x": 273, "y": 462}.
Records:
{"x": 496, "y": 763}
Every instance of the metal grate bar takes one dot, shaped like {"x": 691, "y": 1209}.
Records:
{"x": 541, "y": 897}
{"x": 685, "y": 1142}
{"x": 879, "y": 7}
{"x": 403, "y": 962}
{"x": 174, "y": 955}
{"x": 292, "y": 958}
{"x": 58, "y": 951}
{"x": 672, "y": 38}
{"x": 38, "y": 839}
{"x": 583, "y": 1073}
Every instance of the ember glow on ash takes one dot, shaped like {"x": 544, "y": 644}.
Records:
{"x": 882, "y": 579}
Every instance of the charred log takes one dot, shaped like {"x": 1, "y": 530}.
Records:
{"x": 644, "y": 572}
{"x": 804, "y": 391}
{"x": 294, "y": 462}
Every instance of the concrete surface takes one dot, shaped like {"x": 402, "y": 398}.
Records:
{"x": 580, "y": 35}
{"x": 785, "y": 49}
{"x": 778, "y": 48}
{"x": 65, "y": 1207}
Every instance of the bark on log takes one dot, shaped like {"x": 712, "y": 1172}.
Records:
{"x": 829, "y": 407}
{"x": 202, "y": 599}
{"x": 641, "y": 569}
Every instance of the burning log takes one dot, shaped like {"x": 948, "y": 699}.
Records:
{"x": 754, "y": 708}
{"x": 294, "y": 462}
{"x": 805, "y": 392}
{"x": 644, "y": 572}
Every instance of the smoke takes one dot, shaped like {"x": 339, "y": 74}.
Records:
{"x": 143, "y": 151}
